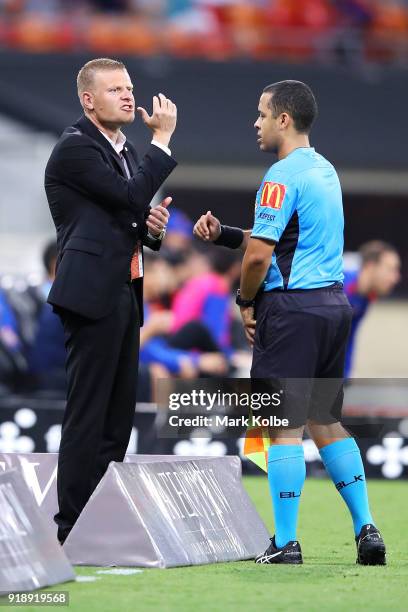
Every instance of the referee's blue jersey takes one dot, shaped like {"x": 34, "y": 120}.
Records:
{"x": 299, "y": 206}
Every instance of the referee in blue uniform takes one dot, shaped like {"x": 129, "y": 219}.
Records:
{"x": 297, "y": 316}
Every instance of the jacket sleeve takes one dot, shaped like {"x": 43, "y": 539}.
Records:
{"x": 80, "y": 165}
{"x": 153, "y": 243}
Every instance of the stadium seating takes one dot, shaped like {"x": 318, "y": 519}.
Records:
{"x": 283, "y": 29}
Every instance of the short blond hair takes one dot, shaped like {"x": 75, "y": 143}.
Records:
{"x": 86, "y": 75}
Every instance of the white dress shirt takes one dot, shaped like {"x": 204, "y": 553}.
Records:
{"x": 119, "y": 145}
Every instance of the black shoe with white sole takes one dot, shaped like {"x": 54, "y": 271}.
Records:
{"x": 370, "y": 546}
{"x": 290, "y": 553}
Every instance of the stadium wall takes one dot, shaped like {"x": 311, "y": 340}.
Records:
{"x": 361, "y": 112}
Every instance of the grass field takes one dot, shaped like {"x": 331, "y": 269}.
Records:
{"x": 328, "y": 580}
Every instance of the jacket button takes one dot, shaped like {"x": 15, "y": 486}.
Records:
{"x": 134, "y": 224}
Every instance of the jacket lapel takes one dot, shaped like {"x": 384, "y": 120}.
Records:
{"x": 86, "y": 126}
{"x": 131, "y": 157}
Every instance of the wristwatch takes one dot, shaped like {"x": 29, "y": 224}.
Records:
{"x": 162, "y": 233}
{"x": 242, "y": 302}
{"x": 160, "y": 236}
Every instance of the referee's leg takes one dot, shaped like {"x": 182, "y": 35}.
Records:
{"x": 285, "y": 351}
{"x": 339, "y": 451}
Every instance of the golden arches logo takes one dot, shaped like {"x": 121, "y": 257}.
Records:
{"x": 273, "y": 195}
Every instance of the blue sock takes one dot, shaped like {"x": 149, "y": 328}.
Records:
{"x": 286, "y": 476}
{"x": 342, "y": 460}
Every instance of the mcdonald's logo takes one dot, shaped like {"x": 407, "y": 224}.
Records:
{"x": 273, "y": 195}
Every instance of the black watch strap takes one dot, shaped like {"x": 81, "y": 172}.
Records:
{"x": 242, "y": 302}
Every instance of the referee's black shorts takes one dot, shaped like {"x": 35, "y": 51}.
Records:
{"x": 300, "y": 347}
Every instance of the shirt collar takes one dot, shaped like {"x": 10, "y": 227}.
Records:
{"x": 119, "y": 144}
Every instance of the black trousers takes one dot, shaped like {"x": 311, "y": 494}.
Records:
{"x": 102, "y": 364}
{"x": 300, "y": 348}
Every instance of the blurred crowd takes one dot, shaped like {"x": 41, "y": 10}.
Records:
{"x": 192, "y": 327}
{"x": 296, "y": 30}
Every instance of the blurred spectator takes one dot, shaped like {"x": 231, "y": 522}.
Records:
{"x": 206, "y": 297}
{"x": 9, "y": 333}
{"x": 46, "y": 355}
{"x": 204, "y": 304}
{"x": 27, "y": 300}
{"x": 376, "y": 276}
{"x": 12, "y": 362}
{"x": 191, "y": 352}
{"x": 49, "y": 259}
{"x": 179, "y": 234}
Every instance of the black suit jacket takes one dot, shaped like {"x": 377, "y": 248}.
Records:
{"x": 99, "y": 215}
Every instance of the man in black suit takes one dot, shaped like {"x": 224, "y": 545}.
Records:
{"x": 99, "y": 195}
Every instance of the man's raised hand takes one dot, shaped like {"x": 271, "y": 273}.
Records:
{"x": 163, "y": 119}
{"x": 208, "y": 227}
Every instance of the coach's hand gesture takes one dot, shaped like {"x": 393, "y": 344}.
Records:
{"x": 163, "y": 120}
{"x": 159, "y": 217}
{"x": 208, "y": 227}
